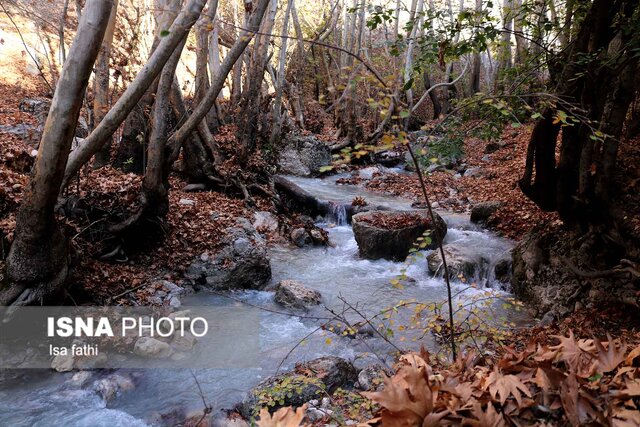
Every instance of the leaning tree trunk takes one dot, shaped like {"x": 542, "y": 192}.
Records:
{"x": 180, "y": 136}
{"x": 577, "y": 185}
{"x": 37, "y": 265}
{"x": 101, "y": 87}
{"x": 134, "y": 92}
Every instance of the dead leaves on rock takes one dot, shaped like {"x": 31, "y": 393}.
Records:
{"x": 576, "y": 382}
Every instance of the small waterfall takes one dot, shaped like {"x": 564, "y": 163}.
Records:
{"x": 337, "y": 213}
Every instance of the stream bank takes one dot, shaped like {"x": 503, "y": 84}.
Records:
{"x": 336, "y": 272}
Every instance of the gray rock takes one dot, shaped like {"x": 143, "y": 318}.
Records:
{"x": 295, "y": 295}
{"x": 461, "y": 263}
{"x": 303, "y": 156}
{"x": 109, "y": 387}
{"x": 300, "y": 237}
{"x": 191, "y": 188}
{"x": 295, "y": 389}
{"x": 265, "y": 222}
{"x": 394, "y": 244}
{"x": 186, "y": 202}
{"x": 370, "y": 378}
{"x": 91, "y": 362}
{"x": 63, "y": 363}
{"x": 241, "y": 264}
{"x": 183, "y": 342}
{"x": 152, "y": 348}
{"x": 473, "y": 172}
{"x": 482, "y": 211}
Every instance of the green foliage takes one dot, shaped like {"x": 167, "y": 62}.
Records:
{"x": 285, "y": 388}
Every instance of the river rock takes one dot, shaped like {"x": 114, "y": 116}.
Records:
{"x": 370, "y": 378}
{"x": 241, "y": 264}
{"x": 265, "y": 222}
{"x": 303, "y": 156}
{"x": 152, "y": 348}
{"x": 300, "y": 237}
{"x": 63, "y": 363}
{"x": 109, "y": 387}
{"x": 482, "y": 211}
{"x": 375, "y": 241}
{"x": 310, "y": 380}
{"x": 295, "y": 295}
{"x": 461, "y": 264}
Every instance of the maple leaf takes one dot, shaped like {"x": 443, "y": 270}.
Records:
{"x": 609, "y": 359}
{"x": 632, "y": 390}
{"x": 407, "y": 397}
{"x": 490, "y": 418}
{"x": 504, "y": 386}
{"x": 548, "y": 379}
{"x": 578, "y": 408}
{"x": 577, "y": 355}
{"x": 283, "y": 417}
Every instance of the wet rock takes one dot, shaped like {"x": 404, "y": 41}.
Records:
{"x": 367, "y": 173}
{"x": 388, "y": 158}
{"x": 378, "y": 241}
{"x": 241, "y": 264}
{"x": 292, "y": 294}
{"x": 503, "y": 270}
{"x": 356, "y": 330}
{"x": 460, "y": 263}
{"x": 310, "y": 380}
{"x": 303, "y": 156}
{"x": 63, "y": 363}
{"x": 370, "y": 378}
{"x": 265, "y": 222}
{"x": 91, "y": 362}
{"x": 183, "y": 342}
{"x": 482, "y": 211}
{"x": 152, "y": 348}
{"x": 300, "y": 237}
{"x": 109, "y": 387}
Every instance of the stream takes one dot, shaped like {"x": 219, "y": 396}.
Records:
{"x": 337, "y": 272}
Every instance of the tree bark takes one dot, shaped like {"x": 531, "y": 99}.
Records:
{"x": 101, "y": 87}
{"x": 37, "y": 264}
{"x": 119, "y": 112}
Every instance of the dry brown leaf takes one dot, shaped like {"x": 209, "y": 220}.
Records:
{"x": 407, "y": 397}
{"x": 283, "y": 417}
{"x": 490, "y": 418}
{"x": 577, "y": 355}
{"x": 609, "y": 359}
{"x": 625, "y": 418}
{"x": 504, "y": 386}
{"x": 634, "y": 354}
{"x": 577, "y": 407}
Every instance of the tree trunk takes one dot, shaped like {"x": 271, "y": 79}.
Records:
{"x": 101, "y": 87}
{"x": 37, "y": 264}
{"x": 252, "y": 97}
{"x": 180, "y": 136}
{"x": 280, "y": 78}
{"x": 134, "y": 92}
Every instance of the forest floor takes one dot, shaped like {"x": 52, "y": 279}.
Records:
{"x": 197, "y": 220}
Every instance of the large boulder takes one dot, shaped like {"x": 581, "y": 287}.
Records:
{"x": 290, "y": 293}
{"x": 309, "y": 380}
{"x": 391, "y": 234}
{"x": 303, "y": 156}
{"x": 470, "y": 265}
{"x": 241, "y": 264}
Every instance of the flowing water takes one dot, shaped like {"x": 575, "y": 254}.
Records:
{"x": 337, "y": 272}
